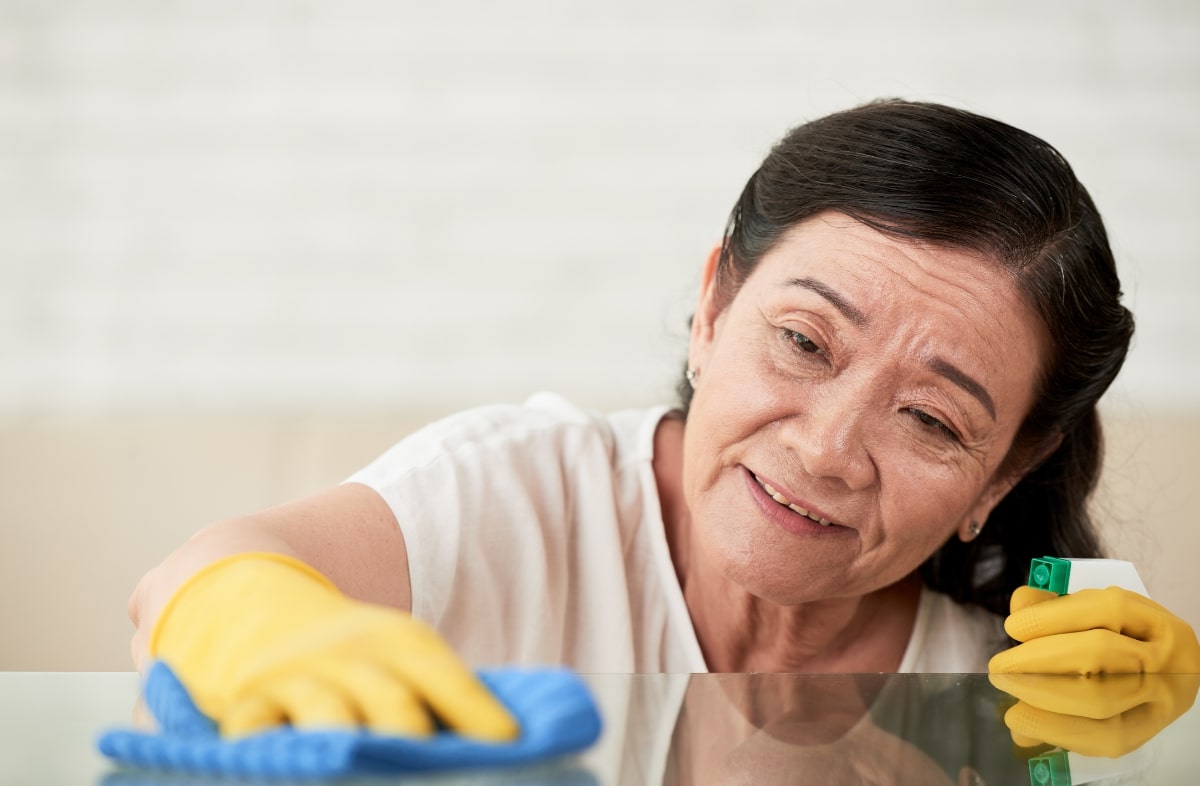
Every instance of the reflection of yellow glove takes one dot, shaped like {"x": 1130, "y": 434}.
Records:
{"x": 1108, "y": 631}
{"x": 259, "y": 639}
{"x": 1094, "y": 716}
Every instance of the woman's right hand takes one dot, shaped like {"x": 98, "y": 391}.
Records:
{"x": 261, "y": 639}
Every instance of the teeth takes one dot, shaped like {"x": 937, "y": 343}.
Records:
{"x": 782, "y": 500}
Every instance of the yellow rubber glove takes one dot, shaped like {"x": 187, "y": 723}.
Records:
{"x": 1108, "y": 631}
{"x": 1094, "y": 716}
{"x": 261, "y": 639}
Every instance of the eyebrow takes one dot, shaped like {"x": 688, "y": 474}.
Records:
{"x": 833, "y": 296}
{"x": 940, "y": 366}
{"x": 968, "y": 383}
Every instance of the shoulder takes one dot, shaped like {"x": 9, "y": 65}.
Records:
{"x": 544, "y": 434}
{"x": 544, "y": 415}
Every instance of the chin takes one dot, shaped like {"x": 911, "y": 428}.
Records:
{"x": 783, "y": 585}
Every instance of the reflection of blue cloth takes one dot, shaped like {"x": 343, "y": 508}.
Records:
{"x": 558, "y": 774}
{"x": 555, "y": 710}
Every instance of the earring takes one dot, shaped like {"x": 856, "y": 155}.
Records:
{"x": 691, "y": 375}
{"x": 973, "y": 530}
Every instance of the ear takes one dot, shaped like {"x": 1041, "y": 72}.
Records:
{"x": 973, "y": 523}
{"x": 1003, "y": 482}
{"x": 708, "y": 309}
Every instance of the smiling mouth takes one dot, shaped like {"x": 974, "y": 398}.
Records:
{"x": 787, "y": 503}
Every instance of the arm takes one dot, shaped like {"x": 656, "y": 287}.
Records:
{"x": 298, "y": 614}
{"x": 348, "y": 533}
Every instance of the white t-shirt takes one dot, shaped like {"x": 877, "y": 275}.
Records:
{"x": 535, "y": 535}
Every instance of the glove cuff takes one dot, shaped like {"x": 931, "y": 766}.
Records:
{"x": 222, "y": 566}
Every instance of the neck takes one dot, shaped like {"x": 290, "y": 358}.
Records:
{"x": 739, "y": 632}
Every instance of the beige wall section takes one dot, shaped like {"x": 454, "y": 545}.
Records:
{"x": 90, "y": 504}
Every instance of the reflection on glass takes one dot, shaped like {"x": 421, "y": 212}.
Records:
{"x": 545, "y": 775}
{"x": 888, "y": 729}
{"x": 1105, "y": 715}
{"x": 933, "y": 730}
{"x": 841, "y": 729}
{"x": 1096, "y": 724}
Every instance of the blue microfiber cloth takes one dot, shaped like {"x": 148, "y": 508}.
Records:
{"x": 554, "y": 708}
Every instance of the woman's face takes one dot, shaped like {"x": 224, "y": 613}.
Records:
{"x": 867, "y": 381}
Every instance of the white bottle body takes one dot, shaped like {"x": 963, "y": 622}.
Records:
{"x": 1102, "y": 573}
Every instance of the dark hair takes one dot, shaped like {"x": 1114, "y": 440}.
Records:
{"x": 947, "y": 176}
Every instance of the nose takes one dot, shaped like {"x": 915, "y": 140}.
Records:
{"x": 828, "y": 440}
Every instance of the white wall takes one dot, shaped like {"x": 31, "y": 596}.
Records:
{"x": 254, "y": 210}
{"x": 396, "y": 204}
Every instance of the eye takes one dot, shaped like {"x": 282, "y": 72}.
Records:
{"x": 803, "y": 343}
{"x": 933, "y": 423}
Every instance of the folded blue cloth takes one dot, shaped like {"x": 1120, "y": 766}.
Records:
{"x": 554, "y": 708}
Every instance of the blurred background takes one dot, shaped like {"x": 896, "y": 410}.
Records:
{"x": 244, "y": 247}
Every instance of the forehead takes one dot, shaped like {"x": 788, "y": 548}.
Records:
{"x": 875, "y": 263}
{"x": 889, "y": 272}
{"x": 920, "y": 300}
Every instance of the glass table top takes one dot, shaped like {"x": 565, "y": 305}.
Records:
{"x": 927, "y": 729}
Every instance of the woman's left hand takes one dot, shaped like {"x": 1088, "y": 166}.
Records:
{"x": 1108, "y": 631}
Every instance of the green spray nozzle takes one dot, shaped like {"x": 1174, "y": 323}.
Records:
{"x": 1050, "y": 770}
{"x": 1050, "y": 573}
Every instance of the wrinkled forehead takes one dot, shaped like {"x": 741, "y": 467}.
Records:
{"x": 877, "y": 263}
{"x": 919, "y": 299}
{"x": 831, "y": 223}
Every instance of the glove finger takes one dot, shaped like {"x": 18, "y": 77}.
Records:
{"x": 1021, "y": 741}
{"x": 384, "y": 703}
{"x": 251, "y": 714}
{"x": 311, "y": 702}
{"x": 1083, "y": 652}
{"x": 1087, "y": 697}
{"x": 1026, "y": 596}
{"x": 1109, "y": 737}
{"x": 1114, "y": 608}
{"x": 431, "y": 668}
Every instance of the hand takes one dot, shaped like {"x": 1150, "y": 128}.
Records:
{"x": 1108, "y": 631}
{"x": 261, "y": 639}
{"x": 1094, "y": 716}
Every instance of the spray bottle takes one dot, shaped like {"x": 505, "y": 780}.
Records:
{"x": 1064, "y": 576}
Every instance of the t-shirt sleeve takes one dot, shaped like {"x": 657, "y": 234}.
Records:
{"x": 485, "y": 500}
{"x": 952, "y": 638}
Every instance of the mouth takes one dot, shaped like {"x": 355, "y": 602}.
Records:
{"x": 787, "y": 503}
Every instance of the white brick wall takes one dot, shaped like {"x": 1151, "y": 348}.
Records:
{"x": 397, "y": 204}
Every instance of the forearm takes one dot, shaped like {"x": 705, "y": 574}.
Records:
{"x": 347, "y": 533}
{"x": 260, "y": 639}
{"x": 208, "y": 545}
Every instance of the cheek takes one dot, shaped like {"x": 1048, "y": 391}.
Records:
{"x": 736, "y": 401}
{"x": 925, "y": 504}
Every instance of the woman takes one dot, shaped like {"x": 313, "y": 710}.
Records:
{"x": 889, "y": 407}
